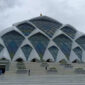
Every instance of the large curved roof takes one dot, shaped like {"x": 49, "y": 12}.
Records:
{"x": 42, "y": 38}
{"x": 46, "y": 24}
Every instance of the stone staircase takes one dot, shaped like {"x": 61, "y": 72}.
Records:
{"x": 35, "y": 68}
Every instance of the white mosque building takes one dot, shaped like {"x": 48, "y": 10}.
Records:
{"x": 44, "y": 39}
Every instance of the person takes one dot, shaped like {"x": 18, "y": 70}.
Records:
{"x": 0, "y": 72}
{"x": 29, "y": 72}
{"x": 46, "y": 68}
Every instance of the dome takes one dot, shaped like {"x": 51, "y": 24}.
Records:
{"x": 42, "y": 38}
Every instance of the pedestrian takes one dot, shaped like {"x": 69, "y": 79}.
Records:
{"x": 29, "y": 72}
{"x": 46, "y": 68}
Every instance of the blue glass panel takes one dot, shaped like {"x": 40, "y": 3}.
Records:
{"x": 12, "y": 41}
{"x": 25, "y": 28}
{"x": 64, "y": 43}
{"x": 48, "y": 25}
{"x": 40, "y": 43}
{"x": 78, "y": 52}
{"x": 27, "y": 50}
{"x": 54, "y": 51}
{"x": 70, "y": 31}
{"x": 81, "y": 42}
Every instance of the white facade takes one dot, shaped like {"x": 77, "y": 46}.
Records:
{"x": 34, "y": 54}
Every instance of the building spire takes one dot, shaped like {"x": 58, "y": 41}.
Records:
{"x": 40, "y": 14}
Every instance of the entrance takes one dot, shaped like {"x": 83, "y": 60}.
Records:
{"x": 2, "y": 69}
{"x": 34, "y": 60}
{"x": 19, "y": 60}
{"x": 49, "y": 60}
{"x": 75, "y": 61}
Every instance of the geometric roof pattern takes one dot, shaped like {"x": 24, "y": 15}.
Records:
{"x": 42, "y": 38}
{"x": 46, "y": 24}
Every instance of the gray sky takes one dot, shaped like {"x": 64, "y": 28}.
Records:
{"x": 66, "y": 11}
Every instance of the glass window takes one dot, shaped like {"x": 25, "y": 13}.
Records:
{"x": 70, "y": 31}
{"x": 27, "y": 50}
{"x": 78, "y": 52}
{"x": 54, "y": 51}
{"x": 64, "y": 43}
{"x": 12, "y": 41}
{"x": 81, "y": 42}
{"x": 25, "y": 28}
{"x": 47, "y": 25}
{"x": 40, "y": 42}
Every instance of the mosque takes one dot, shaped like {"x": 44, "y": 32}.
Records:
{"x": 41, "y": 39}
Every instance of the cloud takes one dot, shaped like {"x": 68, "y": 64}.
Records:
{"x": 65, "y": 11}
{"x": 4, "y": 4}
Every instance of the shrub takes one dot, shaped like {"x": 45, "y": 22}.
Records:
{"x": 20, "y": 65}
{"x": 80, "y": 71}
{"x": 44, "y": 64}
{"x": 52, "y": 69}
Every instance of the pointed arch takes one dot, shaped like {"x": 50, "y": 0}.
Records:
{"x": 81, "y": 41}
{"x": 40, "y": 43}
{"x": 64, "y": 43}
{"x": 26, "y": 50}
{"x": 19, "y": 60}
{"x": 54, "y": 51}
{"x": 35, "y": 60}
{"x": 76, "y": 61}
{"x": 78, "y": 52}
{"x": 25, "y": 28}
{"x": 49, "y": 60}
{"x": 12, "y": 41}
{"x": 69, "y": 30}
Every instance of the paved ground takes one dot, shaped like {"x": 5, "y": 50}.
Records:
{"x": 42, "y": 80}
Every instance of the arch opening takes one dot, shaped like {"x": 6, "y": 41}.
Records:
{"x": 49, "y": 60}
{"x": 19, "y": 60}
{"x": 76, "y": 61}
{"x": 34, "y": 60}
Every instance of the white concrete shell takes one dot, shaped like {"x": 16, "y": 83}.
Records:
{"x": 4, "y": 54}
{"x": 19, "y": 54}
{"x": 49, "y": 56}
{"x": 72, "y": 58}
{"x": 34, "y": 55}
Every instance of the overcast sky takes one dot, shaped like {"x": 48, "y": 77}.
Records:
{"x": 66, "y": 11}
